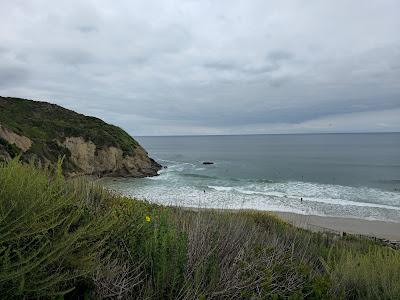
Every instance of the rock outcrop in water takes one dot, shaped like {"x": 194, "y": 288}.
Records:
{"x": 44, "y": 132}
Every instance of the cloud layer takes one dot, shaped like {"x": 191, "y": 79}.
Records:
{"x": 209, "y": 67}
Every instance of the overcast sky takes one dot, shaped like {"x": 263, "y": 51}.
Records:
{"x": 209, "y": 67}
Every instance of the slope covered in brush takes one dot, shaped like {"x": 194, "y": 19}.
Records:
{"x": 45, "y": 131}
{"x": 74, "y": 238}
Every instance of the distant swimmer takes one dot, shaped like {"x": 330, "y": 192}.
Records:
{"x": 204, "y": 191}
{"x": 301, "y": 199}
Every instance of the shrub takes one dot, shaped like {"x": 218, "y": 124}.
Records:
{"x": 76, "y": 239}
{"x": 374, "y": 274}
{"x": 48, "y": 238}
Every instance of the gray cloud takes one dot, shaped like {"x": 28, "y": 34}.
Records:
{"x": 279, "y": 55}
{"x": 12, "y": 76}
{"x": 86, "y": 28}
{"x": 188, "y": 67}
{"x": 72, "y": 56}
{"x": 222, "y": 66}
{"x": 232, "y": 67}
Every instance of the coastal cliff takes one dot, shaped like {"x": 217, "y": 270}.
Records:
{"x": 44, "y": 132}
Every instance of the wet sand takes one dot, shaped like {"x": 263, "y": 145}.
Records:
{"x": 380, "y": 229}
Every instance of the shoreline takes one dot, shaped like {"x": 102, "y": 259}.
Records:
{"x": 383, "y": 230}
{"x": 372, "y": 228}
{"x": 379, "y": 229}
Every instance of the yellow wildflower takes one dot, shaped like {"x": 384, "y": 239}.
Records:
{"x": 148, "y": 219}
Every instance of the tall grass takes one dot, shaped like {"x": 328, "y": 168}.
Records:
{"x": 74, "y": 239}
{"x": 374, "y": 274}
{"x": 41, "y": 225}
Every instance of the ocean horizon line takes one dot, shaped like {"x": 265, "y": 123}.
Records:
{"x": 261, "y": 134}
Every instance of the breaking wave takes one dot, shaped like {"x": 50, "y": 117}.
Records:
{"x": 188, "y": 184}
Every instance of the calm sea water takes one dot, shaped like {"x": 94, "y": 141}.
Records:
{"x": 352, "y": 175}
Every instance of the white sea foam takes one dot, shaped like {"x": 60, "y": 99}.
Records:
{"x": 302, "y": 193}
{"x": 221, "y": 188}
{"x": 187, "y": 184}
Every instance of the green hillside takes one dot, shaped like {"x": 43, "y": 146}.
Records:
{"x": 47, "y": 125}
{"x": 43, "y": 122}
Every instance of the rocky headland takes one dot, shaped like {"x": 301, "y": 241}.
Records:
{"x": 45, "y": 132}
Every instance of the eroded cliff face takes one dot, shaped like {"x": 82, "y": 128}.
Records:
{"x": 109, "y": 161}
{"x": 44, "y": 132}
{"x": 22, "y": 142}
{"x": 88, "y": 159}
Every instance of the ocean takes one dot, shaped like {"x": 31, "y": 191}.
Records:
{"x": 342, "y": 175}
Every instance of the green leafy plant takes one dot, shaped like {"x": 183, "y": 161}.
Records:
{"x": 75, "y": 239}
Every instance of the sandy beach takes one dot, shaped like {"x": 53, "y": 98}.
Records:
{"x": 381, "y": 229}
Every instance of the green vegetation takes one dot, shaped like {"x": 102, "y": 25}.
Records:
{"x": 44, "y": 123}
{"x": 73, "y": 239}
{"x": 10, "y": 149}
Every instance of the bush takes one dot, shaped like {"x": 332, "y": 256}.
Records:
{"x": 48, "y": 238}
{"x": 11, "y": 149}
{"x": 374, "y": 274}
{"x": 76, "y": 239}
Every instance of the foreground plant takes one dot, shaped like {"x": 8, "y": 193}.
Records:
{"x": 48, "y": 238}
{"x": 75, "y": 239}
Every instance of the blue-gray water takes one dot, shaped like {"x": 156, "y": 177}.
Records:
{"x": 353, "y": 175}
